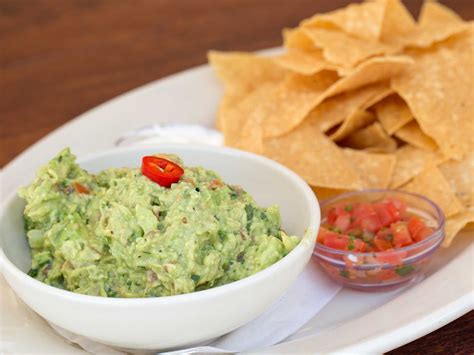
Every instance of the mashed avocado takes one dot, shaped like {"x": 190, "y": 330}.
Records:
{"x": 119, "y": 234}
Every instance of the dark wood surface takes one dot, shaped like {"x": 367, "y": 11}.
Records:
{"x": 59, "y": 58}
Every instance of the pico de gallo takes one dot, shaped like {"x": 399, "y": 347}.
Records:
{"x": 372, "y": 227}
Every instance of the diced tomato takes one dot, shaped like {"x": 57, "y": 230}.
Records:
{"x": 401, "y": 235}
{"x": 415, "y": 225}
{"x": 371, "y": 223}
{"x": 382, "y": 244}
{"x": 382, "y": 210}
{"x": 343, "y": 221}
{"x": 391, "y": 257}
{"x": 384, "y": 239}
{"x": 333, "y": 214}
{"x": 399, "y": 205}
{"x": 423, "y": 233}
{"x": 323, "y": 232}
{"x": 386, "y": 274}
{"x": 359, "y": 245}
{"x": 337, "y": 241}
{"x": 365, "y": 216}
{"x": 80, "y": 188}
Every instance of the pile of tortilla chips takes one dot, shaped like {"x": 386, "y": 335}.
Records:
{"x": 363, "y": 97}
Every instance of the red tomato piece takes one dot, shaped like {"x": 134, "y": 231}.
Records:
{"x": 382, "y": 244}
{"x": 384, "y": 213}
{"x": 415, "y": 224}
{"x": 335, "y": 240}
{"x": 80, "y": 189}
{"x": 343, "y": 222}
{"x": 365, "y": 216}
{"x": 391, "y": 257}
{"x": 359, "y": 245}
{"x": 399, "y": 205}
{"x": 423, "y": 233}
{"x": 401, "y": 235}
{"x": 371, "y": 223}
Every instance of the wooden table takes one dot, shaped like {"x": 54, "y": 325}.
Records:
{"x": 60, "y": 58}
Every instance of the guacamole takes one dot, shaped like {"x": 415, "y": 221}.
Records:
{"x": 119, "y": 234}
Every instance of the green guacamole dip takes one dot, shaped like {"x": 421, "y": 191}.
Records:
{"x": 119, "y": 234}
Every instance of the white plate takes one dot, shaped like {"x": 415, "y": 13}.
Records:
{"x": 352, "y": 322}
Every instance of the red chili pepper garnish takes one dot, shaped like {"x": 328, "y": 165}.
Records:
{"x": 80, "y": 189}
{"x": 161, "y": 171}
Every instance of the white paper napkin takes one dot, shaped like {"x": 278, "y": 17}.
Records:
{"x": 311, "y": 291}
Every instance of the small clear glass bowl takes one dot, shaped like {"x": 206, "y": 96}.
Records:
{"x": 378, "y": 271}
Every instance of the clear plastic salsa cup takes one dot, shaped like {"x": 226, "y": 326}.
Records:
{"x": 382, "y": 270}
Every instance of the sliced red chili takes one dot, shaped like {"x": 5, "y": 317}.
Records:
{"x": 161, "y": 171}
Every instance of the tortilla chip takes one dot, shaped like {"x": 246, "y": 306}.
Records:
{"x": 397, "y": 22}
{"x": 439, "y": 90}
{"x": 295, "y": 38}
{"x": 436, "y": 23}
{"x": 454, "y": 225}
{"x": 393, "y": 113}
{"x": 411, "y": 133}
{"x": 235, "y": 112}
{"x": 344, "y": 50}
{"x": 336, "y": 109}
{"x": 410, "y": 162}
{"x": 323, "y": 193}
{"x": 460, "y": 176}
{"x": 432, "y": 183}
{"x": 372, "y": 139}
{"x": 306, "y": 63}
{"x": 314, "y": 157}
{"x": 353, "y": 122}
{"x": 361, "y": 20}
{"x": 289, "y": 103}
{"x": 371, "y": 71}
{"x": 243, "y": 72}
{"x": 375, "y": 170}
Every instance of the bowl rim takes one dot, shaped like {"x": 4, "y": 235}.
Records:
{"x": 437, "y": 233}
{"x": 307, "y": 240}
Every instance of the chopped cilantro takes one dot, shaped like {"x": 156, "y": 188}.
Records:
{"x": 404, "y": 270}
{"x": 344, "y": 273}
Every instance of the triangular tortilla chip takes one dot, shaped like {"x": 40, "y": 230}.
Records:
{"x": 314, "y": 157}
{"x": 234, "y": 116}
{"x": 460, "y": 176}
{"x": 372, "y": 139}
{"x": 432, "y": 184}
{"x": 455, "y": 224}
{"x": 411, "y": 133}
{"x": 289, "y": 103}
{"x": 397, "y": 23}
{"x": 439, "y": 91}
{"x": 393, "y": 113}
{"x": 410, "y": 162}
{"x": 374, "y": 169}
{"x": 295, "y": 38}
{"x": 371, "y": 71}
{"x": 436, "y": 24}
{"x": 352, "y": 123}
{"x": 306, "y": 63}
{"x": 336, "y": 109}
{"x": 362, "y": 20}
{"x": 243, "y": 72}
{"x": 344, "y": 50}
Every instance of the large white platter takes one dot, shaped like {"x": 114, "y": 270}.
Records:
{"x": 351, "y": 322}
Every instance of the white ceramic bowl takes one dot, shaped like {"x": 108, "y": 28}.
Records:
{"x": 182, "y": 320}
